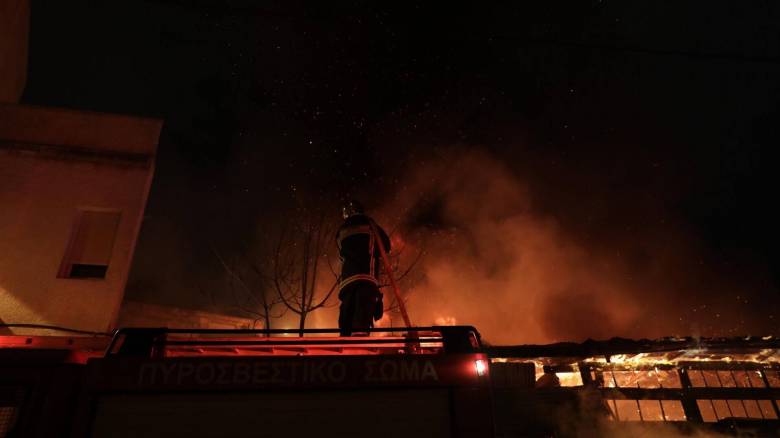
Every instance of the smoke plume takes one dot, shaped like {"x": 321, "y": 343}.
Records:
{"x": 492, "y": 260}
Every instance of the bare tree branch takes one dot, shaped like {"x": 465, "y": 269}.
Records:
{"x": 297, "y": 263}
{"x": 408, "y": 269}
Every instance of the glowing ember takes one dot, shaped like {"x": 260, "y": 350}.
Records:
{"x": 445, "y": 320}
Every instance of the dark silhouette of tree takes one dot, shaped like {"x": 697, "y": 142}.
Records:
{"x": 248, "y": 288}
{"x": 289, "y": 272}
{"x": 297, "y": 263}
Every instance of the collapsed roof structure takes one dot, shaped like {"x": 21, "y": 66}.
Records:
{"x": 708, "y": 382}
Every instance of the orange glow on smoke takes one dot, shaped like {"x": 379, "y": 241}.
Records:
{"x": 493, "y": 261}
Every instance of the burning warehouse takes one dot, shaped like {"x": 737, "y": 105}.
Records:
{"x": 433, "y": 382}
{"x": 318, "y": 219}
{"x": 721, "y": 385}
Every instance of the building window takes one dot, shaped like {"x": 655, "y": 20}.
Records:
{"x": 646, "y": 410}
{"x": 91, "y": 243}
{"x": 728, "y": 379}
{"x": 642, "y": 379}
{"x": 773, "y": 377}
{"x": 714, "y": 410}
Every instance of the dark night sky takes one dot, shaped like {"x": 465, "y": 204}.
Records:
{"x": 625, "y": 119}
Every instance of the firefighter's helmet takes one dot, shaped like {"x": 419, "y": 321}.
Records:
{"x": 352, "y": 208}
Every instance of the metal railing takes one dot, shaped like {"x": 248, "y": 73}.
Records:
{"x": 151, "y": 342}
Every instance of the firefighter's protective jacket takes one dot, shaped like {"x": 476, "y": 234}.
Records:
{"x": 361, "y": 259}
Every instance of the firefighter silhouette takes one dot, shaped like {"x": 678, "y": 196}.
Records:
{"x": 361, "y": 300}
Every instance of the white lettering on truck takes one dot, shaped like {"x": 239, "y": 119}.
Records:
{"x": 390, "y": 371}
{"x": 262, "y": 373}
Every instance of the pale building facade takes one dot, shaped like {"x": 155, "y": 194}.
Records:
{"x": 73, "y": 187}
{"x": 136, "y": 314}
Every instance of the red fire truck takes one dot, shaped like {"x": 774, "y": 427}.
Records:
{"x": 421, "y": 382}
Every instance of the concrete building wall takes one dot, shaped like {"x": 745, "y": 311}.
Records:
{"x": 135, "y": 314}
{"x": 53, "y": 164}
{"x": 14, "y": 31}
